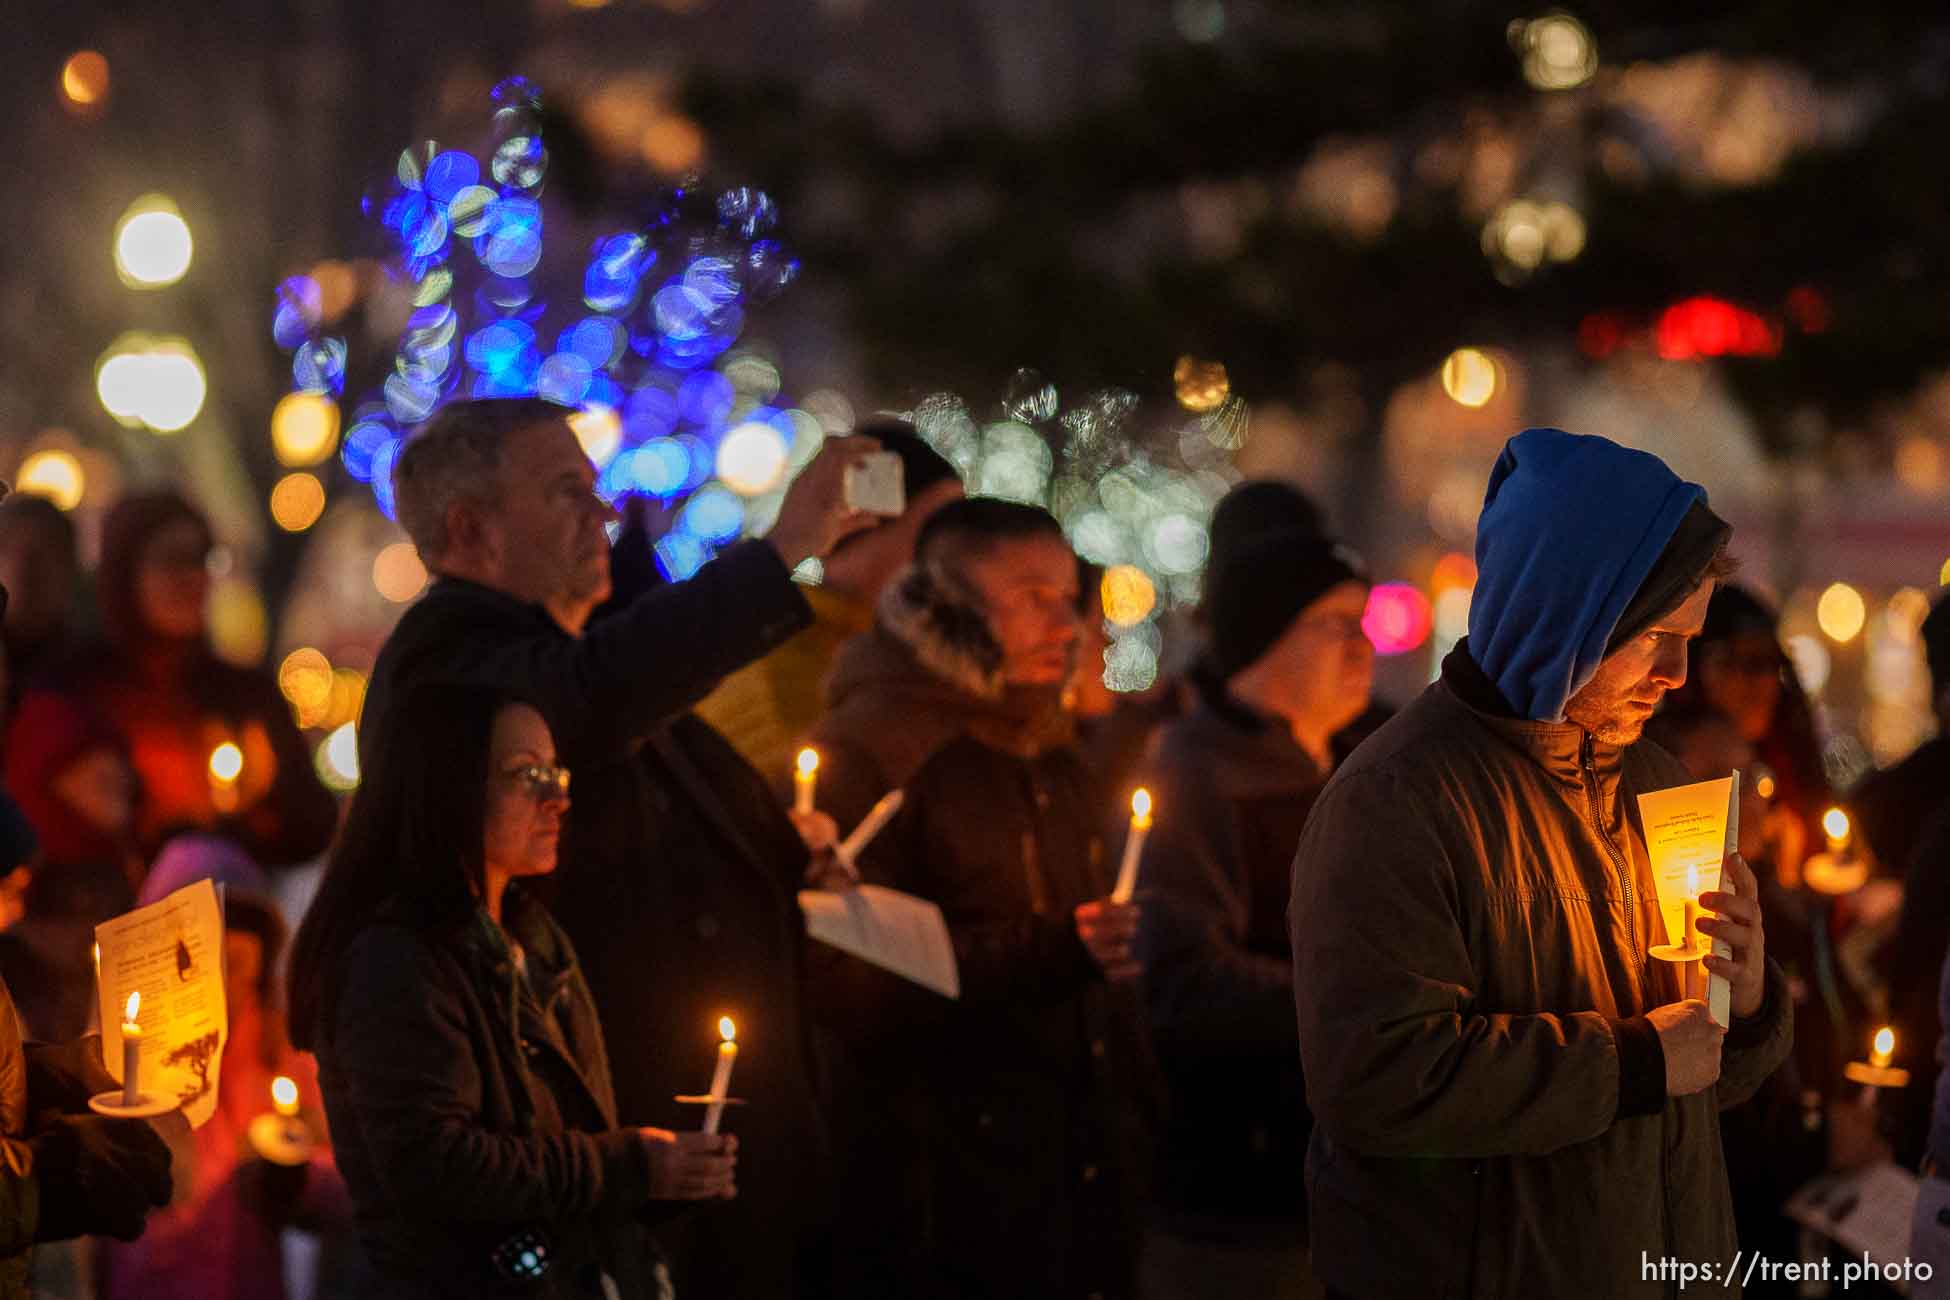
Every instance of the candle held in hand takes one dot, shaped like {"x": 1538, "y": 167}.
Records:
{"x": 131, "y": 1052}
{"x": 1133, "y": 847}
{"x": 805, "y": 778}
{"x": 1883, "y": 1051}
{"x": 721, "y": 1079}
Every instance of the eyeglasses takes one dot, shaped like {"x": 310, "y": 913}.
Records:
{"x": 542, "y": 782}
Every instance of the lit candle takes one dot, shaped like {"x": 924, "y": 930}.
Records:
{"x": 1695, "y": 942}
{"x": 226, "y": 765}
{"x": 721, "y": 1079}
{"x": 1835, "y": 823}
{"x": 1881, "y": 1052}
{"x": 131, "y": 1053}
{"x": 284, "y": 1097}
{"x": 1133, "y": 847}
{"x": 804, "y": 779}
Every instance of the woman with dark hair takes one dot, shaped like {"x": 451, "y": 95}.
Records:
{"x": 157, "y": 681}
{"x": 1740, "y": 670}
{"x": 463, "y": 1066}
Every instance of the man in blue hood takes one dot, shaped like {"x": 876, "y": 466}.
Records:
{"x": 1510, "y": 1097}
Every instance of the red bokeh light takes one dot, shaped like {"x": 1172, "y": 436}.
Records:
{"x": 1398, "y": 618}
{"x": 1712, "y": 327}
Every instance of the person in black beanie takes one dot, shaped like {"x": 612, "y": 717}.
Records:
{"x": 1287, "y": 668}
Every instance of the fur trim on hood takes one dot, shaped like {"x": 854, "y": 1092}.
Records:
{"x": 934, "y": 614}
{"x": 927, "y": 672}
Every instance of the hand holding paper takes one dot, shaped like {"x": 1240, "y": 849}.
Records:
{"x": 1737, "y": 927}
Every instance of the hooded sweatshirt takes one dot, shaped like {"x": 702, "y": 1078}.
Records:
{"x": 1543, "y": 614}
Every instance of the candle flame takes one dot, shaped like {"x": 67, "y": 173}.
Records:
{"x": 284, "y": 1092}
{"x": 1141, "y": 804}
{"x": 134, "y": 1005}
{"x": 1835, "y": 822}
{"x": 727, "y": 1030}
{"x": 1885, "y": 1042}
{"x": 808, "y": 761}
{"x": 1692, "y": 881}
{"x": 226, "y": 762}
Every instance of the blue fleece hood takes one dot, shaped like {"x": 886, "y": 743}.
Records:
{"x": 1571, "y": 526}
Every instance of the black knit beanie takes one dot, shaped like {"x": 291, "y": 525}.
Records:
{"x": 1253, "y": 597}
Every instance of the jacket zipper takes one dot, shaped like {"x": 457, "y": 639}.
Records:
{"x": 1598, "y": 826}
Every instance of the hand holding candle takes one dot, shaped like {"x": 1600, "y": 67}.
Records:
{"x": 131, "y": 1053}
{"x": 1133, "y": 847}
{"x": 805, "y": 779}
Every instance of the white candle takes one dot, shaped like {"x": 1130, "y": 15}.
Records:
{"x": 131, "y": 1053}
{"x": 721, "y": 1078}
{"x": 284, "y": 1097}
{"x": 804, "y": 778}
{"x": 1881, "y": 1053}
{"x": 1834, "y": 823}
{"x": 1133, "y": 847}
{"x": 872, "y": 824}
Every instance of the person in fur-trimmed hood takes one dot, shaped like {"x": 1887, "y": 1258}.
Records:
{"x": 992, "y": 1131}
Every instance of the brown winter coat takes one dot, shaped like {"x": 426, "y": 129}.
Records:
{"x": 1472, "y": 904}
{"x": 990, "y": 1139}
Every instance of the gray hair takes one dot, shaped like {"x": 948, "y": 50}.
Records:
{"x": 456, "y": 456}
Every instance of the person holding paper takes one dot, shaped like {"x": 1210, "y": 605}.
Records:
{"x": 463, "y": 1064}
{"x": 1287, "y": 667}
{"x": 993, "y": 1133}
{"x": 1509, "y": 1096}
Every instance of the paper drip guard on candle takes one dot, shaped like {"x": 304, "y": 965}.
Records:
{"x": 1839, "y": 870}
{"x": 1677, "y": 824}
{"x": 1876, "y": 1072}
{"x": 717, "y": 1099}
{"x": 279, "y": 1135}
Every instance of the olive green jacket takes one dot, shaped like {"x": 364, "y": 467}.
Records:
{"x": 1472, "y": 905}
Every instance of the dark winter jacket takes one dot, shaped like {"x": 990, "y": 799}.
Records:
{"x": 993, "y": 1135}
{"x": 712, "y": 929}
{"x": 1234, "y": 790}
{"x": 679, "y": 871}
{"x": 1472, "y": 908}
{"x": 472, "y": 1115}
{"x": 605, "y": 692}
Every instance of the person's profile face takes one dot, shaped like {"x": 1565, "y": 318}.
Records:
{"x": 546, "y": 527}
{"x": 1622, "y": 696}
{"x": 524, "y": 814}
